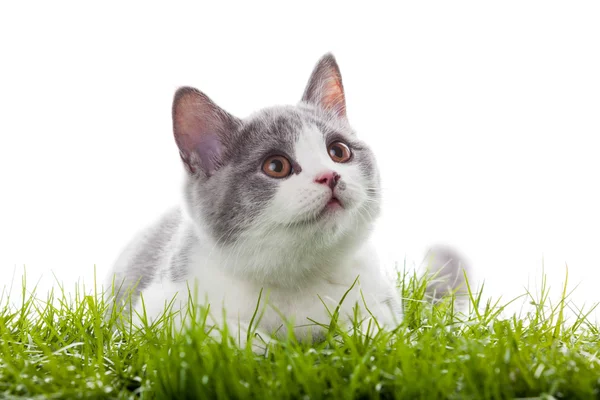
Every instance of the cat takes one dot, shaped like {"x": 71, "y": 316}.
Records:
{"x": 281, "y": 202}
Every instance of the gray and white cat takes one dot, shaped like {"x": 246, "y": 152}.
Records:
{"x": 283, "y": 201}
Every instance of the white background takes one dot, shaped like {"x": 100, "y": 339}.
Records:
{"x": 484, "y": 118}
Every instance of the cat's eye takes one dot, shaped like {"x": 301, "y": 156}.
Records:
{"x": 339, "y": 152}
{"x": 277, "y": 167}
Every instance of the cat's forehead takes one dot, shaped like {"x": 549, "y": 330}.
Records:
{"x": 283, "y": 123}
{"x": 283, "y": 126}
{"x": 274, "y": 129}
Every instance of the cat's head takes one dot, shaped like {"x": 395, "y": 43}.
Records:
{"x": 294, "y": 179}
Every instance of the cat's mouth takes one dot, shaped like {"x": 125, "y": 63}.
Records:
{"x": 332, "y": 207}
{"x": 333, "y": 203}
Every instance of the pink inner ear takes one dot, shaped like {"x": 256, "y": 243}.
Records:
{"x": 333, "y": 98}
{"x": 209, "y": 150}
{"x": 198, "y": 125}
{"x": 325, "y": 87}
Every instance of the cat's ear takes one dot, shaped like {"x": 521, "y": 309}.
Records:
{"x": 325, "y": 87}
{"x": 201, "y": 130}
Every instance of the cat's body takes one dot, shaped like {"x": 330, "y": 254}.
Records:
{"x": 283, "y": 202}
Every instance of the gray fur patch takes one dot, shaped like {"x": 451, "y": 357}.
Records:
{"x": 143, "y": 265}
{"x": 238, "y": 192}
{"x": 179, "y": 265}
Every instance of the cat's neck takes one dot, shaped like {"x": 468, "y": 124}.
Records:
{"x": 280, "y": 260}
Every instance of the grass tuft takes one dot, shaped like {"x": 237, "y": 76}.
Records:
{"x": 65, "y": 347}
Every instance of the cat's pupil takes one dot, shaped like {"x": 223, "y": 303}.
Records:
{"x": 336, "y": 151}
{"x": 276, "y": 166}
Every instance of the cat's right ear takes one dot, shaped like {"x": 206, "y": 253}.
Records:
{"x": 325, "y": 88}
{"x": 201, "y": 130}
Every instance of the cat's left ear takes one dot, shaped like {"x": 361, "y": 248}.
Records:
{"x": 202, "y": 130}
{"x": 325, "y": 88}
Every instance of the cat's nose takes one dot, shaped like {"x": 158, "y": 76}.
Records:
{"x": 329, "y": 178}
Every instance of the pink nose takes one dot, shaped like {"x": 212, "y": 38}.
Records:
{"x": 329, "y": 178}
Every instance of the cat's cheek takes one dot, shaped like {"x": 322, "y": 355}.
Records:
{"x": 296, "y": 199}
{"x": 283, "y": 204}
{"x": 351, "y": 193}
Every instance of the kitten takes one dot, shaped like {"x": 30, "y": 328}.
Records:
{"x": 283, "y": 201}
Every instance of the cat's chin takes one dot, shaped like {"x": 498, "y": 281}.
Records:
{"x": 333, "y": 211}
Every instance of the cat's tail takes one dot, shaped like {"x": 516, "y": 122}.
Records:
{"x": 448, "y": 273}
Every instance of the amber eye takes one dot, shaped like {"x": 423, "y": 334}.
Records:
{"x": 277, "y": 167}
{"x": 339, "y": 152}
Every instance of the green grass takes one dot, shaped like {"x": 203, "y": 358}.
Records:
{"x": 62, "y": 348}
